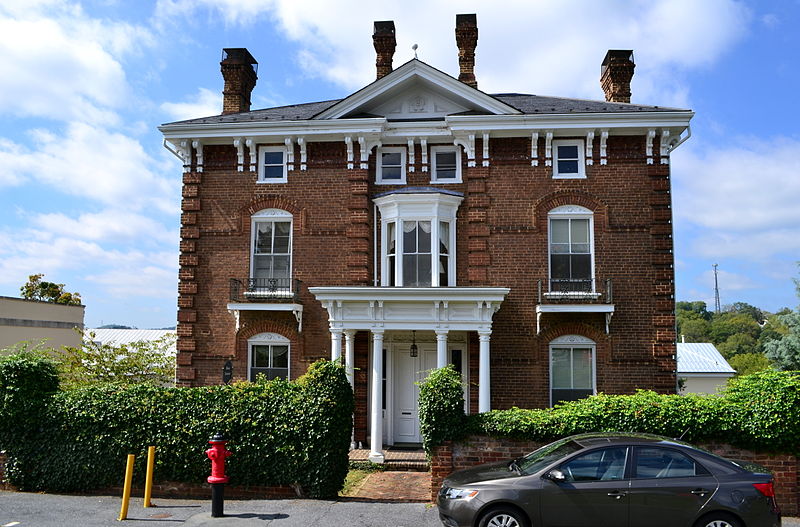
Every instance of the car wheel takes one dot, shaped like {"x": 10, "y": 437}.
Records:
{"x": 718, "y": 519}
{"x": 503, "y": 517}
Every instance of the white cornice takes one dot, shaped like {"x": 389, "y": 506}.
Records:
{"x": 411, "y": 294}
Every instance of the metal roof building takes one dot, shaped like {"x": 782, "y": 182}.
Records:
{"x": 702, "y": 368}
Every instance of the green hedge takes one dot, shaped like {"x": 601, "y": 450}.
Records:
{"x": 281, "y": 433}
{"x": 759, "y": 411}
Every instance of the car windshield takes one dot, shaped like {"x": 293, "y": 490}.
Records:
{"x": 539, "y": 459}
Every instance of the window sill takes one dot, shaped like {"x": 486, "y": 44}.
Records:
{"x": 261, "y": 181}
{"x": 390, "y": 182}
{"x": 560, "y": 176}
{"x": 445, "y": 181}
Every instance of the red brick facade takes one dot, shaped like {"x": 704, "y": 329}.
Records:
{"x": 476, "y": 450}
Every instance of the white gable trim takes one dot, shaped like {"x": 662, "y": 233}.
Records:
{"x": 415, "y": 68}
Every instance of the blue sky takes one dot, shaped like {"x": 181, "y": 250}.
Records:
{"x": 91, "y": 198}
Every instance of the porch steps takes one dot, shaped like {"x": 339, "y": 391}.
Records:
{"x": 397, "y": 459}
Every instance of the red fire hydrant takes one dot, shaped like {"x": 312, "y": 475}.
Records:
{"x": 217, "y": 454}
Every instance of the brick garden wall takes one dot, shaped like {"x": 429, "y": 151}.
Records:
{"x": 480, "y": 449}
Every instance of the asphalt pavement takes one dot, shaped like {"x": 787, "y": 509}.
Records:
{"x": 22, "y": 509}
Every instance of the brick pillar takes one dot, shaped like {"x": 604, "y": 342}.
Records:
{"x": 359, "y": 231}
{"x": 441, "y": 466}
{"x": 383, "y": 40}
{"x": 240, "y": 79}
{"x": 187, "y": 279}
{"x": 616, "y": 73}
{"x": 663, "y": 285}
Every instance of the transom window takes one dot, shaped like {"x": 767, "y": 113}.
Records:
{"x": 572, "y": 371}
{"x": 571, "y": 248}
{"x": 418, "y": 239}
{"x": 446, "y": 164}
{"x": 391, "y": 165}
{"x": 569, "y": 159}
{"x": 271, "y": 262}
{"x": 268, "y": 355}
{"x": 272, "y": 164}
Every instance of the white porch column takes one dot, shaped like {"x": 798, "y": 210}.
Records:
{"x": 336, "y": 344}
{"x": 349, "y": 353}
{"x": 484, "y": 379}
{"x": 376, "y": 401}
{"x": 441, "y": 348}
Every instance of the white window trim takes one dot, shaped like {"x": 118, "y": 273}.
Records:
{"x": 267, "y": 339}
{"x": 443, "y": 148}
{"x": 572, "y": 341}
{"x": 435, "y": 208}
{"x": 379, "y": 165}
{"x": 261, "y": 151}
{"x": 271, "y": 215}
{"x": 574, "y": 212}
{"x": 581, "y": 158}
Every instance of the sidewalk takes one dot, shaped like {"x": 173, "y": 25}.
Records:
{"x": 22, "y": 509}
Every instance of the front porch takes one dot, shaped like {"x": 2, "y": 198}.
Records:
{"x": 416, "y": 330}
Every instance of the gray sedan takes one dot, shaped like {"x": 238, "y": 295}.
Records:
{"x": 613, "y": 480}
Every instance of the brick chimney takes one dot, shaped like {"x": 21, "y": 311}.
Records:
{"x": 616, "y": 74}
{"x": 467, "y": 41}
{"x": 240, "y": 79}
{"x": 385, "y": 44}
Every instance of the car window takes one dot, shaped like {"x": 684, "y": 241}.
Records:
{"x": 547, "y": 455}
{"x": 655, "y": 463}
{"x": 606, "y": 464}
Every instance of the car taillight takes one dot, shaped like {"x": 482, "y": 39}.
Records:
{"x": 767, "y": 489}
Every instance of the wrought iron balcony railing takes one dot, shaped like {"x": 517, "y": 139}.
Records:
{"x": 264, "y": 288}
{"x": 589, "y": 291}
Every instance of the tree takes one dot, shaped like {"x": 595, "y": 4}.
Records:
{"x": 727, "y": 324}
{"x": 785, "y": 352}
{"x": 36, "y": 289}
{"x": 738, "y": 344}
{"x": 137, "y": 362}
{"x": 747, "y": 363}
{"x": 746, "y": 309}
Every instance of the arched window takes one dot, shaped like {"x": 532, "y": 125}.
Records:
{"x": 268, "y": 353}
{"x": 571, "y": 248}
{"x": 572, "y": 368}
{"x": 271, "y": 253}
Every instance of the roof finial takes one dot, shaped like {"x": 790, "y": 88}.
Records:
{"x": 414, "y": 47}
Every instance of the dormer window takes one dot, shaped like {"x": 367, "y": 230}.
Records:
{"x": 569, "y": 159}
{"x": 418, "y": 232}
{"x": 446, "y": 164}
{"x": 272, "y": 164}
{"x": 391, "y": 165}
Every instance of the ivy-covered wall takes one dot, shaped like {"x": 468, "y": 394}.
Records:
{"x": 281, "y": 433}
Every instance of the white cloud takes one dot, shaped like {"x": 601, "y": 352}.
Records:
{"x": 112, "y": 225}
{"x": 92, "y": 162}
{"x": 528, "y": 41}
{"x": 203, "y": 103}
{"x": 60, "y": 64}
{"x": 743, "y": 197}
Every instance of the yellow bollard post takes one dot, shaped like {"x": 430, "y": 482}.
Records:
{"x": 148, "y": 482}
{"x": 126, "y": 491}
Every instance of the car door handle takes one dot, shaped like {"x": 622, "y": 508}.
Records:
{"x": 700, "y": 492}
{"x": 617, "y": 494}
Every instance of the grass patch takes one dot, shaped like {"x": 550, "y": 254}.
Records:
{"x": 353, "y": 481}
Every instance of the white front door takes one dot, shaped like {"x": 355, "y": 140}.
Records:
{"x": 407, "y": 371}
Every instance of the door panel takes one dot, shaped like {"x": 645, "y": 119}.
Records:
{"x": 407, "y": 372}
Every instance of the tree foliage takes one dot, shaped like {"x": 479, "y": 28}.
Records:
{"x": 747, "y": 363}
{"x": 37, "y": 289}
{"x": 150, "y": 362}
{"x": 785, "y": 352}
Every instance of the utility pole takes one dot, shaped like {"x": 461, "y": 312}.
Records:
{"x": 717, "y": 308}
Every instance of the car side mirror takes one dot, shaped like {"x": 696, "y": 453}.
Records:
{"x": 556, "y": 476}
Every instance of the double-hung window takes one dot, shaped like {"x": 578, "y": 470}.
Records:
{"x": 391, "y": 165}
{"x": 446, "y": 164}
{"x": 271, "y": 261}
{"x": 418, "y": 239}
{"x": 572, "y": 368}
{"x": 272, "y": 164}
{"x": 569, "y": 162}
{"x": 571, "y": 248}
{"x": 268, "y": 355}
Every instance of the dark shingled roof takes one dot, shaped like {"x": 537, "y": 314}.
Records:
{"x": 525, "y": 103}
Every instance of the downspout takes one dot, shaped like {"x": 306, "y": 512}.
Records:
{"x": 168, "y": 146}
{"x": 375, "y": 244}
{"x": 683, "y": 139}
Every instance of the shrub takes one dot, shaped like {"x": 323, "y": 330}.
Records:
{"x": 441, "y": 407}
{"x": 759, "y": 411}
{"x": 280, "y": 432}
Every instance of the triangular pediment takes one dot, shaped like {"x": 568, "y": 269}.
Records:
{"x": 416, "y": 90}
